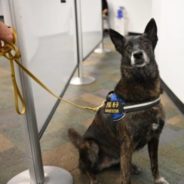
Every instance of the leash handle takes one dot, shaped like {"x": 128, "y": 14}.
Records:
{"x": 17, "y": 94}
{"x": 11, "y": 53}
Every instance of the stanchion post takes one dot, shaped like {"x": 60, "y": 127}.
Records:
{"x": 37, "y": 174}
{"x": 80, "y": 79}
{"x": 33, "y": 145}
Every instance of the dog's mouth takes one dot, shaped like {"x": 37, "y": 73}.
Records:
{"x": 139, "y": 64}
{"x": 132, "y": 66}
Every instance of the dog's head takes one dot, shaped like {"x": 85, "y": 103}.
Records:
{"x": 137, "y": 51}
{"x": 88, "y": 151}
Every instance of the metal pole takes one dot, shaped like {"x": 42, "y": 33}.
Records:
{"x": 33, "y": 144}
{"x": 78, "y": 18}
{"x": 80, "y": 79}
{"x": 35, "y": 174}
{"x": 101, "y": 49}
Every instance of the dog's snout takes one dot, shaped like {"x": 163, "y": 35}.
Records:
{"x": 138, "y": 55}
{"x": 139, "y": 58}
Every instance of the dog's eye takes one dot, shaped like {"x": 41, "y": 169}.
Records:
{"x": 146, "y": 44}
{"x": 128, "y": 48}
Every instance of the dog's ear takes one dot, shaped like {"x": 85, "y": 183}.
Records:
{"x": 151, "y": 32}
{"x": 75, "y": 137}
{"x": 118, "y": 40}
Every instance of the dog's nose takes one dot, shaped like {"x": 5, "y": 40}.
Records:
{"x": 138, "y": 55}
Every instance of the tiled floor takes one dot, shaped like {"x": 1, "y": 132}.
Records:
{"x": 56, "y": 148}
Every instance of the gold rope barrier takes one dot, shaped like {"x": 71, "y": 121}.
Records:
{"x": 12, "y": 53}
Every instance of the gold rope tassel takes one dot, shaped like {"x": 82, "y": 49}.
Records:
{"x": 12, "y": 53}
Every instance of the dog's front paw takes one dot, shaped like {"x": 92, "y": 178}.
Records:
{"x": 161, "y": 180}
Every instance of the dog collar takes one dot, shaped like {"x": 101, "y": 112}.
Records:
{"x": 116, "y": 106}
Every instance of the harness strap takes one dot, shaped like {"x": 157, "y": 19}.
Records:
{"x": 141, "y": 106}
{"x": 116, "y": 106}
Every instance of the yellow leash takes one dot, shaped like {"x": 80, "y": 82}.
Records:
{"x": 12, "y": 53}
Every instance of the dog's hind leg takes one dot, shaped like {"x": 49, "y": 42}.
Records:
{"x": 126, "y": 156}
{"x": 153, "y": 154}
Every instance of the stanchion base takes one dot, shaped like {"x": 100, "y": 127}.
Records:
{"x": 53, "y": 175}
{"x": 102, "y": 50}
{"x": 82, "y": 80}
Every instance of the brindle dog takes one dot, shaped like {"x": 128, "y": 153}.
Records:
{"x": 107, "y": 143}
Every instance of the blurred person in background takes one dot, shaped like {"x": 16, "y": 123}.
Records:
{"x": 105, "y": 13}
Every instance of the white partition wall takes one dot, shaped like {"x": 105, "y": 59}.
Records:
{"x": 170, "y": 51}
{"x": 46, "y": 30}
{"x": 47, "y": 40}
{"x": 91, "y": 23}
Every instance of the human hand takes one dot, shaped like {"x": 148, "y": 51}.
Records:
{"x": 6, "y": 33}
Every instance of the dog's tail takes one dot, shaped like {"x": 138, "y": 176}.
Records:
{"x": 75, "y": 137}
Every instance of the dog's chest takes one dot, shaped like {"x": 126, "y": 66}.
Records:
{"x": 144, "y": 127}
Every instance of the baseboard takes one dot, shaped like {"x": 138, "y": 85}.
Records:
{"x": 173, "y": 97}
